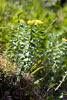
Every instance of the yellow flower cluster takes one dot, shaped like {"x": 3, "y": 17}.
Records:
{"x": 21, "y": 21}
{"x": 34, "y": 22}
{"x": 30, "y": 22}
{"x": 64, "y": 40}
{"x": 38, "y": 22}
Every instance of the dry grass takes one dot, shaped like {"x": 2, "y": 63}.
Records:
{"x": 7, "y": 67}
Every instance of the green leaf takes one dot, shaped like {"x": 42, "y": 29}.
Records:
{"x": 35, "y": 65}
{"x": 37, "y": 81}
{"x": 52, "y": 85}
{"x": 37, "y": 70}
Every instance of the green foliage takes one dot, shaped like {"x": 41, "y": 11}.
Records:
{"x": 37, "y": 48}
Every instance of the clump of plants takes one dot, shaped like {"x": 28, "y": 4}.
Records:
{"x": 34, "y": 40}
{"x": 13, "y": 87}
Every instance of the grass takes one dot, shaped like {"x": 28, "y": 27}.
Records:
{"x": 33, "y": 40}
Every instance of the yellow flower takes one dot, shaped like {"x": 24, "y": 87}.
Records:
{"x": 34, "y": 22}
{"x": 30, "y": 22}
{"x": 21, "y": 21}
{"x": 38, "y": 22}
{"x": 64, "y": 40}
